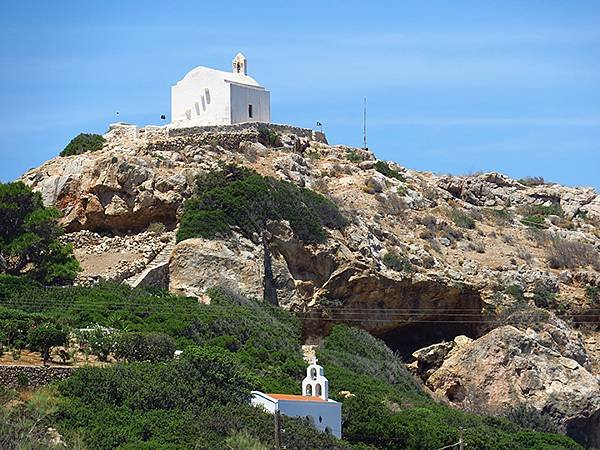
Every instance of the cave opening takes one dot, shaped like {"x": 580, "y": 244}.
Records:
{"x": 405, "y": 339}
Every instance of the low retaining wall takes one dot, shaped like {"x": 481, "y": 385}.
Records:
{"x": 15, "y": 376}
{"x": 250, "y": 128}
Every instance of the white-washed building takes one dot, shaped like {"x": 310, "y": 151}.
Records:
{"x": 208, "y": 96}
{"x": 314, "y": 404}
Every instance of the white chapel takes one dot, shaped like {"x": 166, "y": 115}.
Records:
{"x": 314, "y": 404}
{"x": 208, "y": 96}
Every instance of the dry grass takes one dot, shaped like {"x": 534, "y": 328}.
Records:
{"x": 567, "y": 254}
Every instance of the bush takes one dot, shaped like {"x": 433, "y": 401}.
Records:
{"x": 15, "y": 325}
{"x": 44, "y": 337}
{"x": 383, "y": 168}
{"x": 242, "y": 440}
{"x": 529, "y": 417}
{"x": 235, "y": 197}
{"x": 516, "y": 292}
{"x": 532, "y": 181}
{"x": 144, "y": 347}
{"x": 83, "y": 142}
{"x": 29, "y": 237}
{"x": 499, "y": 216}
{"x": 462, "y": 219}
{"x": 397, "y": 262}
{"x": 535, "y": 221}
{"x": 156, "y": 227}
{"x": 592, "y": 293}
{"x": 567, "y": 254}
{"x": 98, "y": 340}
{"x": 268, "y": 137}
{"x": 354, "y": 157}
{"x": 544, "y": 297}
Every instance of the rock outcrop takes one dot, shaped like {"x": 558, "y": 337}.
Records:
{"x": 424, "y": 259}
{"x": 545, "y": 369}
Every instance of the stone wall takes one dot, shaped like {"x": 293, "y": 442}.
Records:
{"x": 17, "y": 376}
{"x": 249, "y": 128}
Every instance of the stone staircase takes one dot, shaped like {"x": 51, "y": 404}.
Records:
{"x": 156, "y": 273}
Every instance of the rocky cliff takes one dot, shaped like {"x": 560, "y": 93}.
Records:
{"x": 423, "y": 259}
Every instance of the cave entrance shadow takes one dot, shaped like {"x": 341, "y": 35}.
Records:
{"x": 410, "y": 337}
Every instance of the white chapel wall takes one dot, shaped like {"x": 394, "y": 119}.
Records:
{"x": 201, "y": 100}
{"x": 243, "y": 96}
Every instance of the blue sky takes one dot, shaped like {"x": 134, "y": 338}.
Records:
{"x": 452, "y": 87}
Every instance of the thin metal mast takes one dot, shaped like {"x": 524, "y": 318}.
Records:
{"x": 365, "y": 123}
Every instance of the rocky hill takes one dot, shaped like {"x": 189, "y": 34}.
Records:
{"x": 488, "y": 286}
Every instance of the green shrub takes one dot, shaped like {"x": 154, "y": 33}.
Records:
{"x": 462, "y": 219}
{"x": 529, "y": 417}
{"x": 543, "y": 297}
{"x": 267, "y": 136}
{"x": 535, "y": 221}
{"x": 45, "y": 336}
{"x": 83, "y": 142}
{"x": 592, "y": 293}
{"x": 499, "y": 216}
{"x": 516, "y": 292}
{"x": 144, "y": 347}
{"x": 354, "y": 157}
{"x": 383, "y": 168}
{"x": 399, "y": 263}
{"x": 242, "y": 440}
{"x": 15, "y": 324}
{"x": 156, "y": 227}
{"x": 29, "y": 237}
{"x": 99, "y": 341}
{"x": 235, "y": 197}
{"x": 23, "y": 379}
{"x": 532, "y": 181}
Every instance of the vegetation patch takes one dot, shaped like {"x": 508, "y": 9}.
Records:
{"x": 462, "y": 219}
{"x": 354, "y": 157}
{"x": 383, "y": 168}
{"x": 268, "y": 137}
{"x": 29, "y": 238}
{"x": 232, "y": 346}
{"x": 532, "y": 181}
{"x": 396, "y": 262}
{"x": 567, "y": 254}
{"x": 241, "y": 198}
{"x": 83, "y": 142}
{"x": 592, "y": 293}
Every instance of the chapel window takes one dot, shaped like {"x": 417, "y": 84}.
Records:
{"x": 250, "y": 111}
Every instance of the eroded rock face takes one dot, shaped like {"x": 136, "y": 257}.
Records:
{"x": 459, "y": 242}
{"x": 200, "y": 264}
{"x": 509, "y": 366}
{"x": 111, "y": 191}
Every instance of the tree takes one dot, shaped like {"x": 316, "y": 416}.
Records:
{"x": 44, "y": 337}
{"x": 29, "y": 237}
{"x": 83, "y": 142}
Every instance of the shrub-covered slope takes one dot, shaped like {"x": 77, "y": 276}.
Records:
{"x": 235, "y": 345}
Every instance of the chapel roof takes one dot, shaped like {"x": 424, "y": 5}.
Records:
{"x": 229, "y": 77}
{"x": 296, "y": 398}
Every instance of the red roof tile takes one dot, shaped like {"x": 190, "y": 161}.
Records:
{"x": 296, "y": 398}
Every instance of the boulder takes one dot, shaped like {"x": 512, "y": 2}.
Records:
{"x": 508, "y": 366}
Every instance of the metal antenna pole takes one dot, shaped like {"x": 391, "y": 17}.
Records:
{"x": 365, "y": 123}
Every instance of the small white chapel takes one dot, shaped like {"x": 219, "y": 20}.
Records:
{"x": 206, "y": 96}
{"x": 314, "y": 404}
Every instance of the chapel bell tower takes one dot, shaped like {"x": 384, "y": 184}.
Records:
{"x": 315, "y": 384}
{"x": 240, "y": 64}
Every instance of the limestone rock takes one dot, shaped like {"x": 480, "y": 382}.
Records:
{"x": 508, "y": 366}
{"x": 200, "y": 264}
